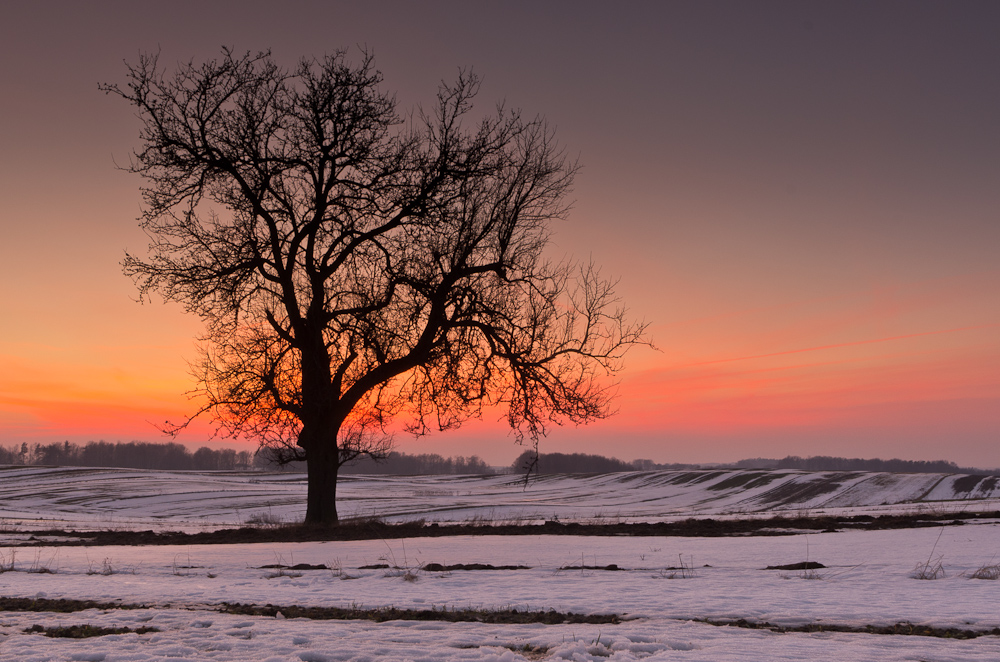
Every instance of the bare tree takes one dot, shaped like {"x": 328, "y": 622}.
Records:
{"x": 352, "y": 265}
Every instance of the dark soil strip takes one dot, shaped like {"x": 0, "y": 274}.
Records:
{"x": 377, "y": 614}
{"x": 61, "y": 606}
{"x": 297, "y": 566}
{"x": 899, "y": 628}
{"x": 612, "y": 567}
{"x": 382, "y": 614}
{"x": 804, "y": 565}
{"x": 437, "y": 567}
{"x": 373, "y": 530}
{"x": 85, "y": 631}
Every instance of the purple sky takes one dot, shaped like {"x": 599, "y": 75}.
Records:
{"x": 803, "y": 199}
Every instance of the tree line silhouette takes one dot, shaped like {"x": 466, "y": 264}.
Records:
{"x": 173, "y": 457}
{"x": 554, "y": 463}
{"x": 395, "y": 463}
{"x": 577, "y": 463}
{"x": 828, "y": 463}
{"x": 131, "y": 455}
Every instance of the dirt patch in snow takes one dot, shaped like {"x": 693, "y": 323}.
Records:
{"x": 438, "y": 567}
{"x": 792, "y": 493}
{"x": 903, "y": 628}
{"x": 382, "y": 614}
{"x": 804, "y": 565}
{"x": 62, "y": 606}
{"x": 970, "y": 484}
{"x": 85, "y": 631}
{"x": 693, "y": 527}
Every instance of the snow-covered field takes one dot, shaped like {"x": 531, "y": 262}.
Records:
{"x": 867, "y": 580}
{"x": 42, "y": 497}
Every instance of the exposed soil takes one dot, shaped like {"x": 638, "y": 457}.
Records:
{"x": 438, "y": 567}
{"x": 903, "y": 628}
{"x": 297, "y": 566}
{"x": 382, "y": 614}
{"x": 792, "y": 493}
{"x": 746, "y": 480}
{"x": 62, "y": 606}
{"x": 805, "y": 565}
{"x": 378, "y": 614}
{"x": 974, "y": 483}
{"x": 497, "y": 616}
{"x": 85, "y": 631}
{"x": 373, "y": 530}
{"x": 612, "y": 567}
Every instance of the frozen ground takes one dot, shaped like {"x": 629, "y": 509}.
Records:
{"x": 42, "y": 498}
{"x": 867, "y": 581}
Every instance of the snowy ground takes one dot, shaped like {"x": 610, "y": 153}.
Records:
{"x": 33, "y": 498}
{"x": 867, "y": 582}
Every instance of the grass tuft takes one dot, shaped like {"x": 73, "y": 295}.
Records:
{"x": 929, "y": 569}
{"x": 264, "y": 520}
{"x": 933, "y": 567}
{"x": 683, "y": 571}
{"x": 987, "y": 571}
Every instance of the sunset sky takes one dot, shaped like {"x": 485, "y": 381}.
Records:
{"x": 801, "y": 199}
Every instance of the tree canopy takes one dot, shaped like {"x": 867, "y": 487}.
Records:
{"x": 354, "y": 265}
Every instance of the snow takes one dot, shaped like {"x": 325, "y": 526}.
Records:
{"x": 868, "y": 579}
{"x": 37, "y": 498}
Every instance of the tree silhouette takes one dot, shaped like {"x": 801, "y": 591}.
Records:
{"x": 353, "y": 265}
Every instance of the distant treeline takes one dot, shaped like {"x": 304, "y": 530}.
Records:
{"x": 400, "y": 464}
{"x": 174, "y": 456}
{"x": 827, "y": 463}
{"x": 427, "y": 463}
{"x": 582, "y": 463}
{"x": 558, "y": 463}
{"x": 131, "y": 455}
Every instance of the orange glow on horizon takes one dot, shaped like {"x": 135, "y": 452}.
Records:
{"x": 816, "y": 256}
{"x": 708, "y": 380}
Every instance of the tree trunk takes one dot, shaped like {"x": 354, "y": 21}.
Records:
{"x": 322, "y": 465}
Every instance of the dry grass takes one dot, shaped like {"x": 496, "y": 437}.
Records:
{"x": 395, "y": 569}
{"x": 601, "y": 518}
{"x": 987, "y": 571}
{"x": 108, "y": 568}
{"x": 264, "y": 520}
{"x": 282, "y": 572}
{"x": 7, "y": 563}
{"x": 683, "y": 571}
{"x": 932, "y": 568}
{"x": 181, "y": 570}
{"x": 810, "y": 573}
{"x": 281, "y": 569}
{"x": 528, "y": 651}
{"x": 491, "y": 519}
{"x": 406, "y": 573}
{"x": 39, "y": 568}
{"x": 337, "y": 570}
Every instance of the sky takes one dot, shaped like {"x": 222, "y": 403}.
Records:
{"x": 801, "y": 199}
